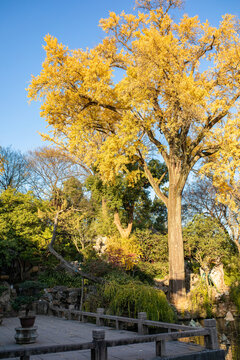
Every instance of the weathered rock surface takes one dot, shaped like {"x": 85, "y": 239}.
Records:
{"x": 62, "y": 296}
{"x": 5, "y": 299}
{"x": 217, "y": 277}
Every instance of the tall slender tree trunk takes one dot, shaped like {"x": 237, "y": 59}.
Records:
{"x": 177, "y": 284}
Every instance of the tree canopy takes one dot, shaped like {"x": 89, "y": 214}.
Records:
{"x": 49, "y": 168}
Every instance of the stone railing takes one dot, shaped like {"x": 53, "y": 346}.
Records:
{"x": 99, "y": 345}
{"x": 101, "y": 319}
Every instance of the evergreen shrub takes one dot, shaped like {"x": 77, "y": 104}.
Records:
{"x": 54, "y": 277}
{"x": 201, "y": 300}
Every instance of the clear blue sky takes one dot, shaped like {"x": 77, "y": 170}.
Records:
{"x": 23, "y": 25}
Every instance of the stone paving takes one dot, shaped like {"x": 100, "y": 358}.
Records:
{"x": 53, "y": 330}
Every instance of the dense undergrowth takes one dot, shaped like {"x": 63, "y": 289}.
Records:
{"x": 120, "y": 294}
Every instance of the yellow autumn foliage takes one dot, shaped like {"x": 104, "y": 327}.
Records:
{"x": 153, "y": 87}
{"x": 105, "y": 122}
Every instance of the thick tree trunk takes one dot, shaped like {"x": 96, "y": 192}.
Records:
{"x": 177, "y": 285}
{"x": 177, "y": 179}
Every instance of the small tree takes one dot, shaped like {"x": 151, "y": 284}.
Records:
{"x": 202, "y": 197}
{"x": 29, "y": 292}
{"x": 206, "y": 243}
{"x": 23, "y": 234}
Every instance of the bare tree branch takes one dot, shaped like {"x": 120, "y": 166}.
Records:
{"x": 65, "y": 263}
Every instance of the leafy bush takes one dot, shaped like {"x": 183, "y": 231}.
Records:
{"x": 23, "y": 234}
{"x": 232, "y": 278}
{"x": 97, "y": 267}
{"x": 53, "y": 277}
{"x": 231, "y": 270}
{"x": 94, "y": 297}
{"x": 205, "y": 242}
{"x": 201, "y": 301}
{"x": 29, "y": 291}
{"x": 21, "y": 301}
{"x": 118, "y": 276}
{"x": 153, "y": 247}
{"x": 123, "y": 252}
{"x": 132, "y": 296}
{"x": 146, "y": 271}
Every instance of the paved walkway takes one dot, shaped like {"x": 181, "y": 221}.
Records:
{"x": 53, "y": 330}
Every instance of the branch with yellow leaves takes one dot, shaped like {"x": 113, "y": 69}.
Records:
{"x": 211, "y": 121}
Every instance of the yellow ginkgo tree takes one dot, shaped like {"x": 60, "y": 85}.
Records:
{"x": 151, "y": 88}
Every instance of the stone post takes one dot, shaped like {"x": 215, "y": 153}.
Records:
{"x": 211, "y": 340}
{"x": 99, "y": 352}
{"x": 99, "y": 321}
{"x": 83, "y": 318}
{"x": 118, "y": 325}
{"x": 161, "y": 348}
{"x": 142, "y": 329}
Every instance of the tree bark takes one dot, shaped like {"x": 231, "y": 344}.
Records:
{"x": 123, "y": 232}
{"x": 104, "y": 208}
{"x": 177, "y": 286}
{"x": 237, "y": 245}
{"x": 234, "y": 227}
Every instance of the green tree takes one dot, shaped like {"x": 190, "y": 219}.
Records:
{"x": 127, "y": 201}
{"x": 23, "y": 234}
{"x": 76, "y": 223}
{"x": 202, "y": 197}
{"x": 206, "y": 242}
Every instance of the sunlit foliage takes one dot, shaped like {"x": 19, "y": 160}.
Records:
{"x": 177, "y": 97}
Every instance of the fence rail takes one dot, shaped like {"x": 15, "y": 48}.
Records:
{"x": 100, "y": 317}
{"x": 99, "y": 345}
